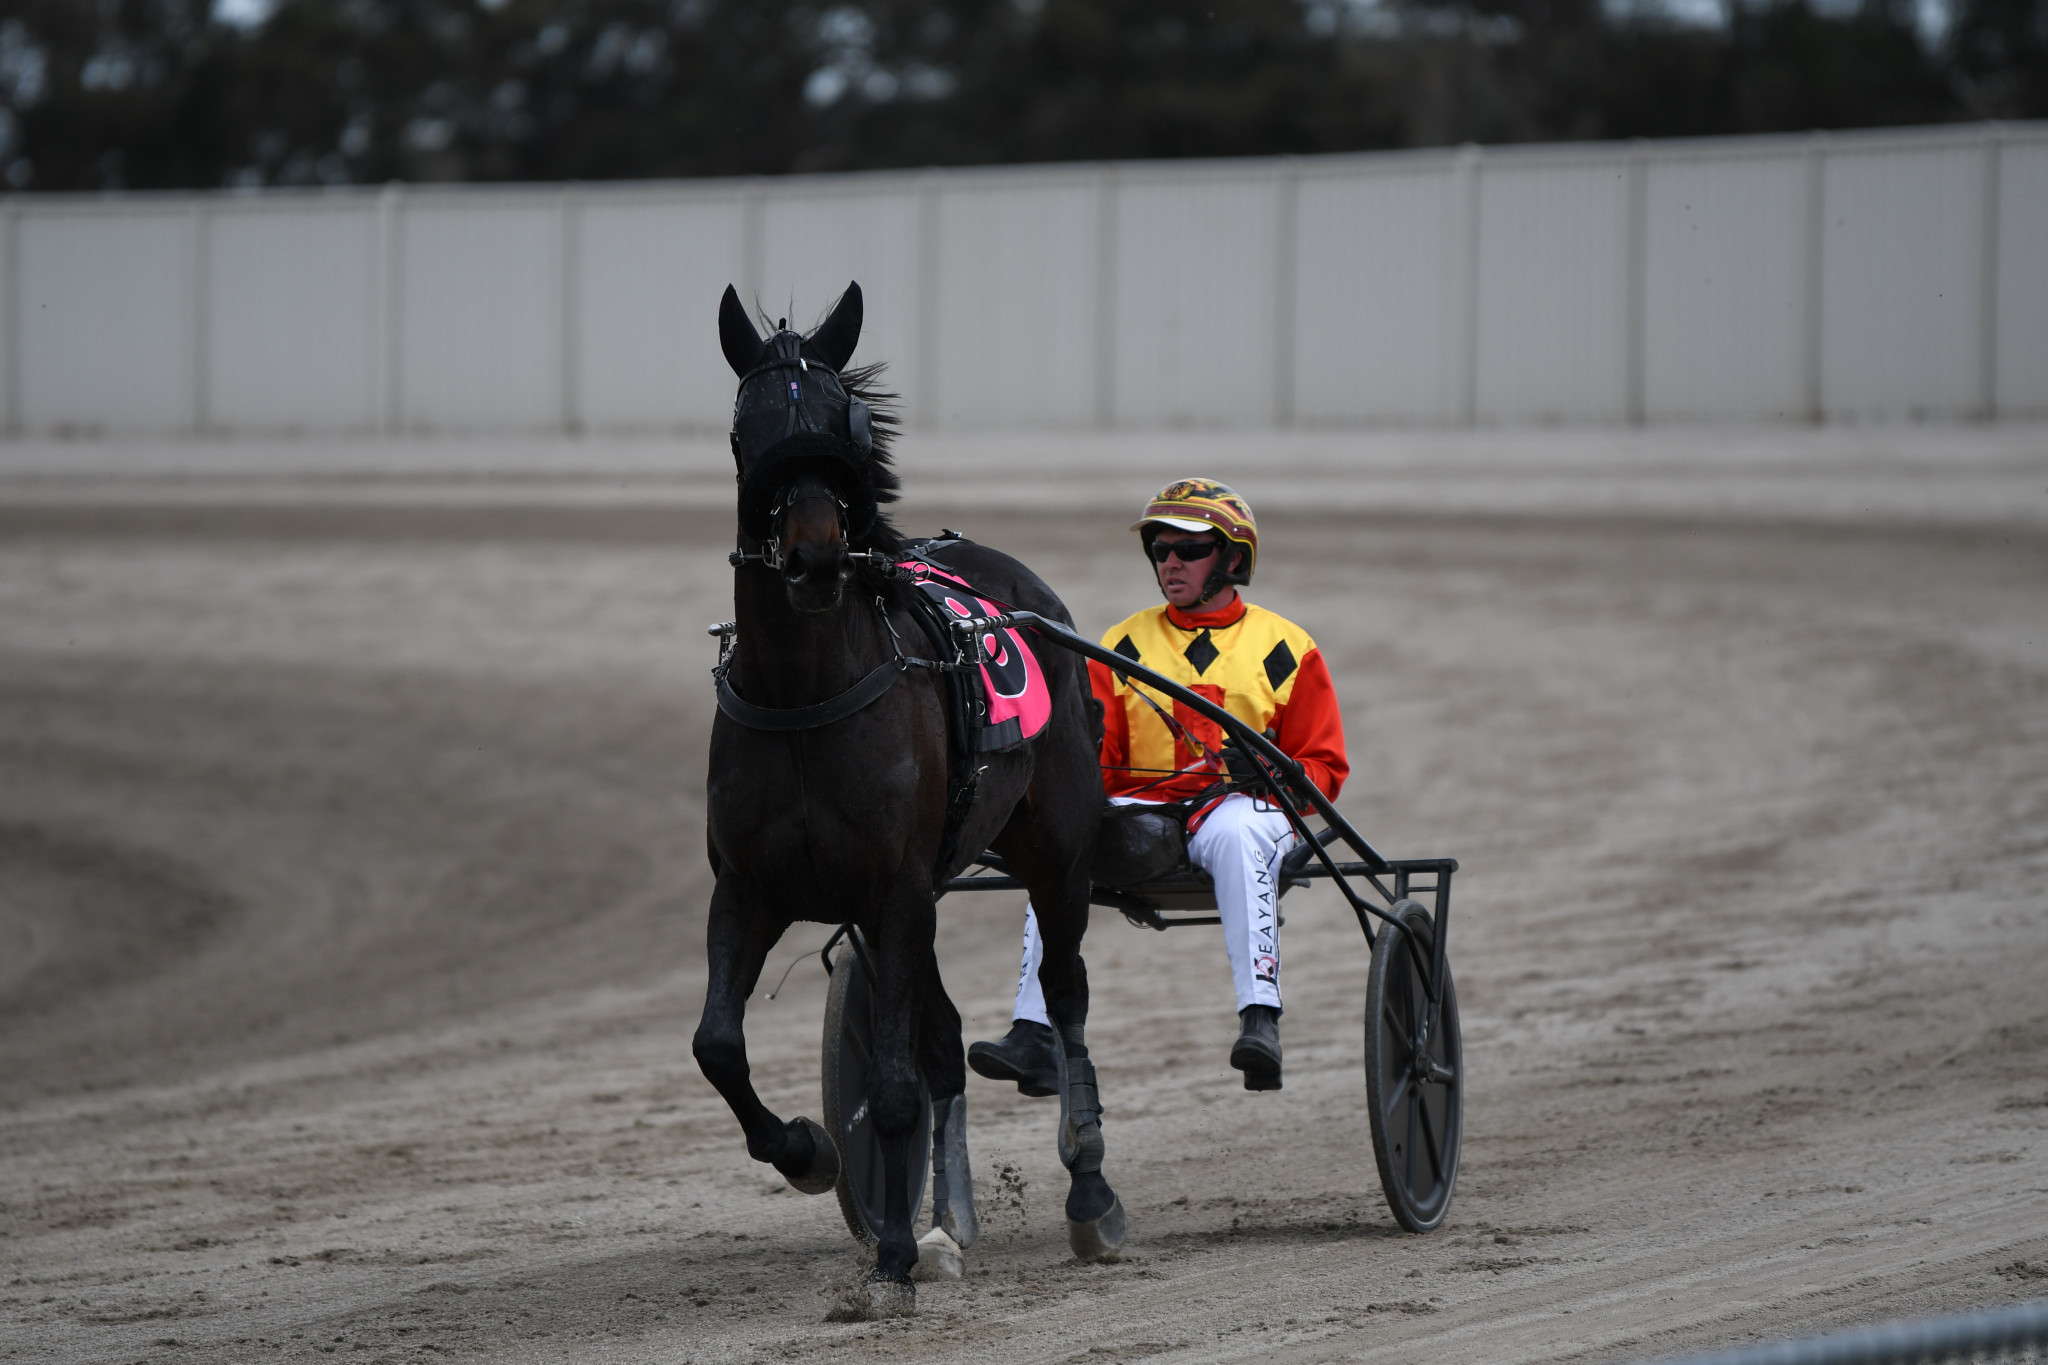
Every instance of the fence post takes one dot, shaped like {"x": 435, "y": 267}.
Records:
{"x": 1987, "y": 396}
{"x": 1287, "y": 249}
{"x": 389, "y": 332}
{"x": 1105, "y": 296}
{"x": 753, "y": 222}
{"x": 568, "y": 222}
{"x": 202, "y": 312}
{"x": 10, "y": 324}
{"x": 1465, "y": 329}
{"x": 1635, "y": 290}
{"x": 926, "y": 351}
{"x": 1816, "y": 238}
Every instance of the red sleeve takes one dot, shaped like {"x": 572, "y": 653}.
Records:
{"x": 1310, "y": 728}
{"x": 1116, "y": 725}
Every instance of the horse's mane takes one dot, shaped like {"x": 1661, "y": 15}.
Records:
{"x": 884, "y": 411}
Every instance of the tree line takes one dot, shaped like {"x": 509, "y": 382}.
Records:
{"x": 113, "y": 94}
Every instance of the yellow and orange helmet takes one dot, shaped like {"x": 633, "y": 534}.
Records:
{"x": 1205, "y": 505}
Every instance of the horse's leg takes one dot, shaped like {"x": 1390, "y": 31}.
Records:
{"x": 1053, "y": 863}
{"x": 907, "y": 926}
{"x": 945, "y": 1072}
{"x": 738, "y": 941}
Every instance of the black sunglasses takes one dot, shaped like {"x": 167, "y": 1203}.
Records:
{"x": 1187, "y": 551}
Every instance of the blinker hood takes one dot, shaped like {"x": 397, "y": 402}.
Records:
{"x": 793, "y": 416}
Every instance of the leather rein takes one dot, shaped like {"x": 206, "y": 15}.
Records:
{"x": 834, "y": 708}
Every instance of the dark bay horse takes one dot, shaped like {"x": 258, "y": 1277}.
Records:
{"x": 829, "y": 784}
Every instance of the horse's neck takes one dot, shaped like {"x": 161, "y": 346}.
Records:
{"x": 785, "y": 657}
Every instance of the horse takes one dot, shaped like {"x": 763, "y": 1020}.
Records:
{"x": 829, "y": 792}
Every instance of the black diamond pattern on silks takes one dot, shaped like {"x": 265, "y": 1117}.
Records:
{"x": 1201, "y": 653}
{"x": 1279, "y": 665}
{"x": 1126, "y": 648}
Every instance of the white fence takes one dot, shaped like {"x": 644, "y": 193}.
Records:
{"x": 1886, "y": 275}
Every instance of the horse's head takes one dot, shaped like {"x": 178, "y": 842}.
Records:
{"x": 809, "y": 446}
{"x": 810, "y": 529}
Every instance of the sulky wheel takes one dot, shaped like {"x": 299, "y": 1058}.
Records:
{"x": 849, "y": 1057}
{"x": 1417, "y": 1103}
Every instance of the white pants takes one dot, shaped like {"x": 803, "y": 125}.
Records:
{"x": 1237, "y": 846}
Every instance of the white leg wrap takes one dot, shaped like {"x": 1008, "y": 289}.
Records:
{"x": 1030, "y": 995}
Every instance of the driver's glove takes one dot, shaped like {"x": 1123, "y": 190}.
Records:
{"x": 1247, "y": 774}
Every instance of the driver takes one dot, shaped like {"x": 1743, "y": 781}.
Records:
{"x": 1263, "y": 669}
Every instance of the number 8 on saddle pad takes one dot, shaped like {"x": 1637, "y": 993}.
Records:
{"x": 1016, "y": 702}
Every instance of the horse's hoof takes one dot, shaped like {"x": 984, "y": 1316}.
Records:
{"x": 874, "y": 1295}
{"x": 812, "y": 1173}
{"x": 1099, "y": 1239}
{"x": 938, "y": 1257}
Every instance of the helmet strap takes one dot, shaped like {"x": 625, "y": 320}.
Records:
{"x": 1220, "y": 577}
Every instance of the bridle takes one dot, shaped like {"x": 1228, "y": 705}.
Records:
{"x": 869, "y": 688}
{"x": 770, "y": 555}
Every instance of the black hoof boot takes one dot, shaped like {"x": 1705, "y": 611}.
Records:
{"x": 1095, "y": 1216}
{"x": 809, "y": 1161}
{"x": 1024, "y": 1055}
{"x": 1257, "y": 1050}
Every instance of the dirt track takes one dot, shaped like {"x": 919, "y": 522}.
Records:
{"x": 351, "y": 889}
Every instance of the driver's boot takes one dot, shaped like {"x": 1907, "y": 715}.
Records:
{"x": 1024, "y": 1055}
{"x": 1257, "y": 1050}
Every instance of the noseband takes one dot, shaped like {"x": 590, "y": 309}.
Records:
{"x": 770, "y": 554}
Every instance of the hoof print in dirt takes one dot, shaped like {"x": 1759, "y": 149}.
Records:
{"x": 938, "y": 1257}
{"x": 809, "y": 1162}
{"x": 1098, "y": 1239}
{"x": 872, "y": 1297}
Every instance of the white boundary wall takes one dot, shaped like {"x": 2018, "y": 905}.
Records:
{"x": 1848, "y": 277}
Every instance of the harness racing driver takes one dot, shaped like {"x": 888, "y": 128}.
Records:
{"x": 1263, "y": 669}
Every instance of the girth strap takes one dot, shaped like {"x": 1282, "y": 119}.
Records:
{"x": 810, "y": 717}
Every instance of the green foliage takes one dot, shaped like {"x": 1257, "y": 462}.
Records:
{"x": 159, "y": 93}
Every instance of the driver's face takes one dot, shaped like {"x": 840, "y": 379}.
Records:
{"x": 1180, "y": 580}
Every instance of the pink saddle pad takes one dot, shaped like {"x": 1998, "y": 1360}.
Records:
{"x": 1019, "y": 703}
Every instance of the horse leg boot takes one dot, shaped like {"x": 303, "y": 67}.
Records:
{"x": 952, "y": 1176}
{"x": 954, "y": 1228}
{"x": 945, "y": 1071}
{"x": 1095, "y": 1216}
{"x": 893, "y": 1096}
{"x": 737, "y": 944}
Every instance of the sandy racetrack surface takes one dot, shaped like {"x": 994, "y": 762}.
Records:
{"x": 352, "y": 887}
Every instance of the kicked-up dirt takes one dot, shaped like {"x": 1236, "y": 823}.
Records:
{"x": 352, "y": 888}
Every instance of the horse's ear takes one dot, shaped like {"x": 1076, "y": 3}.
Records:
{"x": 736, "y": 334}
{"x": 839, "y": 333}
